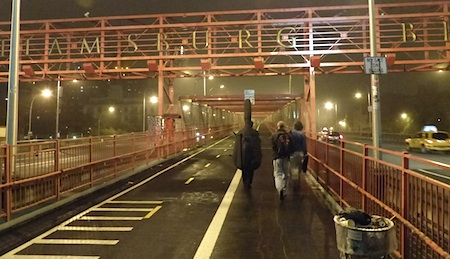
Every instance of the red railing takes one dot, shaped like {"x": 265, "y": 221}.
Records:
{"x": 33, "y": 173}
{"x": 383, "y": 182}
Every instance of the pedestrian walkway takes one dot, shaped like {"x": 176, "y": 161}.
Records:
{"x": 255, "y": 223}
{"x": 259, "y": 225}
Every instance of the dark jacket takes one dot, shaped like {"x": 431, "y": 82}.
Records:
{"x": 274, "y": 139}
{"x": 247, "y": 149}
{"x": 298, "y": 139}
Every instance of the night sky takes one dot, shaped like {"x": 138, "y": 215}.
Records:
{"x": 50, "y": 9}
{"x": 400, "y": 92}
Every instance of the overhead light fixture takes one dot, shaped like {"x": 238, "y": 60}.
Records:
{"x": 88, "y": 68}
{"x": 259, "y": 63}
{"x": 152, "y": 65}
{"x": 314, "y": 61}
{"x": 28, "y": 69}
{"x": 205, "y": 64}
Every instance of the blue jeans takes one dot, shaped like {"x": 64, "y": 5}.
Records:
{"x": 281, "y": 173}
{"x": 296, "y": 162}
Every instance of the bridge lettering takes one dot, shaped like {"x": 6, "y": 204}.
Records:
{"x": 85, "y": 44}
{"x": 162, "y": 43}
{"x": 285, "y": 37}
{"x": 241, "y": 39}
{"x": 55, "y": 43}
{"x": 132, "y": 43}
{"x": 2, "y": 49}
{"x": 280, "y": 38}
{"x": 194, "y": 40}
{"x": 408, "y": 29}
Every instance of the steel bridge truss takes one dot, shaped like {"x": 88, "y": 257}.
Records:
{"x": 414, "y": 37}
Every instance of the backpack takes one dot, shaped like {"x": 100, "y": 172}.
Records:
{"x": 283, "y": 145}
{"x": 247, "y": 151}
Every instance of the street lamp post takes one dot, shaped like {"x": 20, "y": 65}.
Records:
{"x": 369, "y": 107}
{"x": 111, "y": 109}
{"x": 329, "y": 106}
{"x": 153, "y": 100}
{"x": 45, "y": 93}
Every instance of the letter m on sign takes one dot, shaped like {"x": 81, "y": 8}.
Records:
{"x": 94, "y": 44}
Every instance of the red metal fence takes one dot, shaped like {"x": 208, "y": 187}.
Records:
{"x": 383, "y": 182}
{"x": 33, "y": 173}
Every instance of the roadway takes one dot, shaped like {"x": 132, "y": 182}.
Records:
{"x": 193, "y": 206}
{"x": 427, "y": 169}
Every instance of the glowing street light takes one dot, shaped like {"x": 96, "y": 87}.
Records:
{"x": 111, "y": 109}
{"x": 45, "y": 93}
{"x": 404, "y": 116}
{"x": 153, "y": 100}
{"x": 329, "y": 106}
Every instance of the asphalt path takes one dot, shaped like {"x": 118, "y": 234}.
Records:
{"x": 191, "y": 207}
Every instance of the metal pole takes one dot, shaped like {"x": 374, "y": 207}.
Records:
{"x": 204, "y": 83}
{"x": 13, "y": 84}
{"x": 143, "y": 114}
{"x": 29, "y": 117}
{"x": 369, "y": 111}
{"x": 58, "y": 87}
{"x": 376, "y": 118}
{"x": 98, "y": 125}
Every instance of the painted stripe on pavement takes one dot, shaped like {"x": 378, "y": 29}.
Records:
{"x": 118, "y": 229}
{"x": 209, "y": 239}
{"x": 109, "y": 218}
{"x": 76, "y": 242}
{"x": 49, "y": 257}
{"x": 135, "y": 202}
{"x": 152, "y": 212}
{"x": 122, "y": 209}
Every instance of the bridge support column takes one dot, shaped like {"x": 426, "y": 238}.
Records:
{"x": 309, "y": 101}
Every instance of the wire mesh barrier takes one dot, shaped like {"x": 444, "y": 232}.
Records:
{"x": 43, "y": 171}
{"x": 390, "y": 186}
{"x": 419, "y": 205}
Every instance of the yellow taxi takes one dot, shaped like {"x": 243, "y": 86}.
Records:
{"x": 431, "y": 140}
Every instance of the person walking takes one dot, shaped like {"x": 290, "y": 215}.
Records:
{"x": 281, "y": 147}
{"x": 298, "y": 139}
{"x": 247, "y": 153}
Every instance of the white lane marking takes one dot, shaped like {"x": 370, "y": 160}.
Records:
{"x": 209, "y": 239}
{"x": 153, "y": 212}
{"x": 208, "y": 164}
{"x": 76, "y": 242}
{"x": 433, "y": 173}
{"x": 217, "y": 156}
{"x": 189, "y": 180}
{"x": 104, "y": 229}
{"x": 49, "y": 257}
{"x": 111, "y": 199}
{"x": 122, "y": 209}
{"x": 109, "y": 218}
{"x": 136, "y": 202}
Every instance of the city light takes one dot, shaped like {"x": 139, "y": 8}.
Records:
{"x": 404, "y": 116}
{"x": 153, "y": 99}
{"x": 329, "y": 105}
{"x": 185, "y": 108}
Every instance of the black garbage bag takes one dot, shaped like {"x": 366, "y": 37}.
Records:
{"x": 358, "y": 216}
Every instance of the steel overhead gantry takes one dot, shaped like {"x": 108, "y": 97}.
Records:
{"x": 291, "y": 41}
